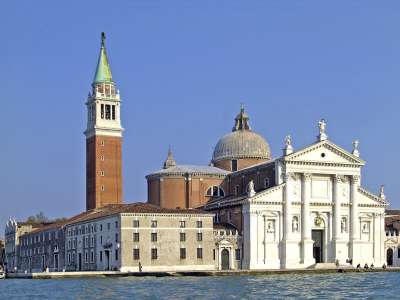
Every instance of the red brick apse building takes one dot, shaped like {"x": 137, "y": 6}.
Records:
{"x": 233, "y": 165}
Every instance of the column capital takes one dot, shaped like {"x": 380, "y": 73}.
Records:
{"x": 290, "y": 176}
{"x": 338, "y": 178}
{"x": 307, "y": 176}
{"x": 355, "y": 179}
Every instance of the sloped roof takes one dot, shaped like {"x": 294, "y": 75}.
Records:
{"x": 190, "y": 169}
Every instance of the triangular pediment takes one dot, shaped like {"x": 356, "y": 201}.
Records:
{"x": 324, "y": 152}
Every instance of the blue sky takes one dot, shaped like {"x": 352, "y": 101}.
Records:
{"x": 183, "y": 68}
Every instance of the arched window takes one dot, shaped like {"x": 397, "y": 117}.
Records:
{"x": 215, "y": 191}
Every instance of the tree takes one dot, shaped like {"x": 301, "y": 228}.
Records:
{"x": 38, "y": 218}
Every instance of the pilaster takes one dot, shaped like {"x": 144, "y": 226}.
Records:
{"x": 354, "y": 219}
{"x": 306, "y": 241}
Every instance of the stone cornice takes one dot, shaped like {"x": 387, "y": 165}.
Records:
{"x": 184, "y": 174}
{"x": 353, "y": 160}
{"x": 372, "y": 196}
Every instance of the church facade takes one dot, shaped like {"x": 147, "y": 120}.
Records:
{"x": 304, "y": 208}
{"x": 316, "y": 212}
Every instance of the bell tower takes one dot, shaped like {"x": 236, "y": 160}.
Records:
{"x": 103, "y": 138}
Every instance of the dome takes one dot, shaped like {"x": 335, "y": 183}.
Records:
{"x": 242, "y": 142}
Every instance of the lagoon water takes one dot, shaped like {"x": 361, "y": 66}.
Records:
{"x": 385, "y": 285}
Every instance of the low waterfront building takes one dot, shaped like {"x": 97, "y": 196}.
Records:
{"x": 13, "y": 231}
{"x": 139, "y": 236}
{"x": 42, "y": 249}
{"x": 392, "y": 242}
{"x": 2, "y": 253}
{"x": 228, "y": 250}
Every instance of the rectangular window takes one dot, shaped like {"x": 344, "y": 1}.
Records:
{"x": 234, "y": 165}
{"x": 116, "y": 237}
{"x": 135, "y": 223}
{"x": 101, "y": 227}
{"x": 108, "y": 112}
{"x": 102, "y": 188}
{"x": 237, "y": 190}
{"x": 116, "y": 224}
{"x": 237, "y": 254}
{"x": 102, "y": 111}
{"x": 101, "y": 239}
{"x": 136, "y": 254}
{"x": 101, "y": 173}
{"x": 154, "y": 253}
{"x": 86, "y": 257}
{"x": 213, "y": 254}
{"x": 183, "y": 253}
{"x": 182, "y": 224}
{"x": 116, "y": 254}
{"x": 154, "y": 224}
{"x": 91, "y": 256}
{"x": 199, "y": 236}
{"x": 200, "y": 253}
{"x": 398, "y": 252}
{"x": 199, "y": 224}
{"x": 182, "y": 236}
{"x": 101, "y": 256}
{"x": 154, "y": 236}
{"x": 136, "y": 236}
{"x": 113, "y": 112}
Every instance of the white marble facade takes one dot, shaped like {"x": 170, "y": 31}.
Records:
{"x": 317, "y": 213}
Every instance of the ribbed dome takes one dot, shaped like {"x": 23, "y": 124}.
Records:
{"x": 242, "y": 142}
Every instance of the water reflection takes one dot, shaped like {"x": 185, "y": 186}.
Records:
{"x": 321, "y": 286}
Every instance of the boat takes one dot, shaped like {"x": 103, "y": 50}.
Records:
{"x": 2, "y": 273}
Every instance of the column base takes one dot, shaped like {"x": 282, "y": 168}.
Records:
{"x": 340, "y": 250}
{"x": 307, "y": 252}
{"x": 290, "y": 254}
{"x": 355, "y": 253}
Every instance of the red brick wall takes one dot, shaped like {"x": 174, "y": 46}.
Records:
{"x": 177, "y": 191}
{"x": 109, "y": 148}
{"x": 241, "y": 163}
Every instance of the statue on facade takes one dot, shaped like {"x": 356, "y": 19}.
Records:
{"x": 270, "y": 226}
{"x": 288, "y": 140}
{"x": 322, "y": 130}
{"x": 250, "y": 189}
{"x": 288, "y": 145}
{"x": 382, "y": 192}
{"x": 355, "y": 151}
{"x": 343, "y": 225}
{"x": 295, "y": 224}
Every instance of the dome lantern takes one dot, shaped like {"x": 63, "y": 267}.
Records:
{"x": 242, "y": 147}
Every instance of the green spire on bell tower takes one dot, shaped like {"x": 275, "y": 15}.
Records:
{"x": 103, "y": 70}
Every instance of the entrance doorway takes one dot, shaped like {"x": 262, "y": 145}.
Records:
{"x": 389, "y": 257}
{"x": 43, "y": 263}
{"x": 56, "y": 262}
{"x": 79, "y": 261}
{"x": 107, "y": 254}
{"x": 225, "y": 259}
{"x": 318, "y": 238}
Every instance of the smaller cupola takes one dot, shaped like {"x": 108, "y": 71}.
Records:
{"x": 170, "y": 161}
